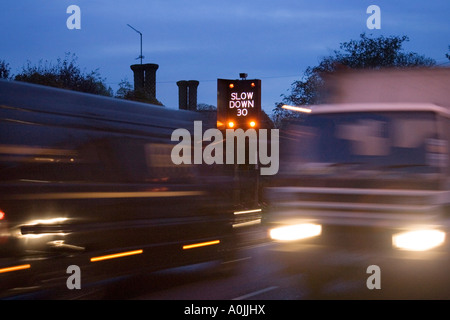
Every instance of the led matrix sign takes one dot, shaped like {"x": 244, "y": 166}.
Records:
{"x": 238, "y": 103}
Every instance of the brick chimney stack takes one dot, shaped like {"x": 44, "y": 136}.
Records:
{"x": 145, "y": 78}
{"x": 187, "y": 94}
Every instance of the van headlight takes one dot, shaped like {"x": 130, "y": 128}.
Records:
{"x": 418, "y": 240}
{"x": 296, "y": 232}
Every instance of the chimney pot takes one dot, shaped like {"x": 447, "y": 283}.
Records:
{"x": 187, "y": 94}
{"x": 145, "y": 78}
{"x": 193, "y": 84}
{"x": 182, "y": 94}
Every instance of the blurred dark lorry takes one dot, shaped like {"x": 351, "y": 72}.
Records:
{"x": 88, "y": 181}
{"x": 364, "y": 178}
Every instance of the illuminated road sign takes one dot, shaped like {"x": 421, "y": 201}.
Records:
{"x": 238, "y": 103}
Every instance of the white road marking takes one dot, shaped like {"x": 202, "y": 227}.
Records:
{"x": 255, "y": 293}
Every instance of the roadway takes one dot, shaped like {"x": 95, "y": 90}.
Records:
{"x": 257, "y": 274}
{"x": 252, "y": 275}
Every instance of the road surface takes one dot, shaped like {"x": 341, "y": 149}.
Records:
{"x": 257, "y": 274}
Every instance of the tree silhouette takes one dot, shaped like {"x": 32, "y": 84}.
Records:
{"x": 364, "y": 53}
{"x": 66, "y": 74}
{"x": 4, "y": 70}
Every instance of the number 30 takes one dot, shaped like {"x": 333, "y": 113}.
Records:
{"x": 242, "y": 112}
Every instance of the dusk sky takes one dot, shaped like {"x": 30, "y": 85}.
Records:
{"x": 274, "y": 41}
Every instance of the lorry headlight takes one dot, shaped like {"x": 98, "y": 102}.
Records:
{"x": 418, "y": 240}
{"x": 296, "y": 232}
